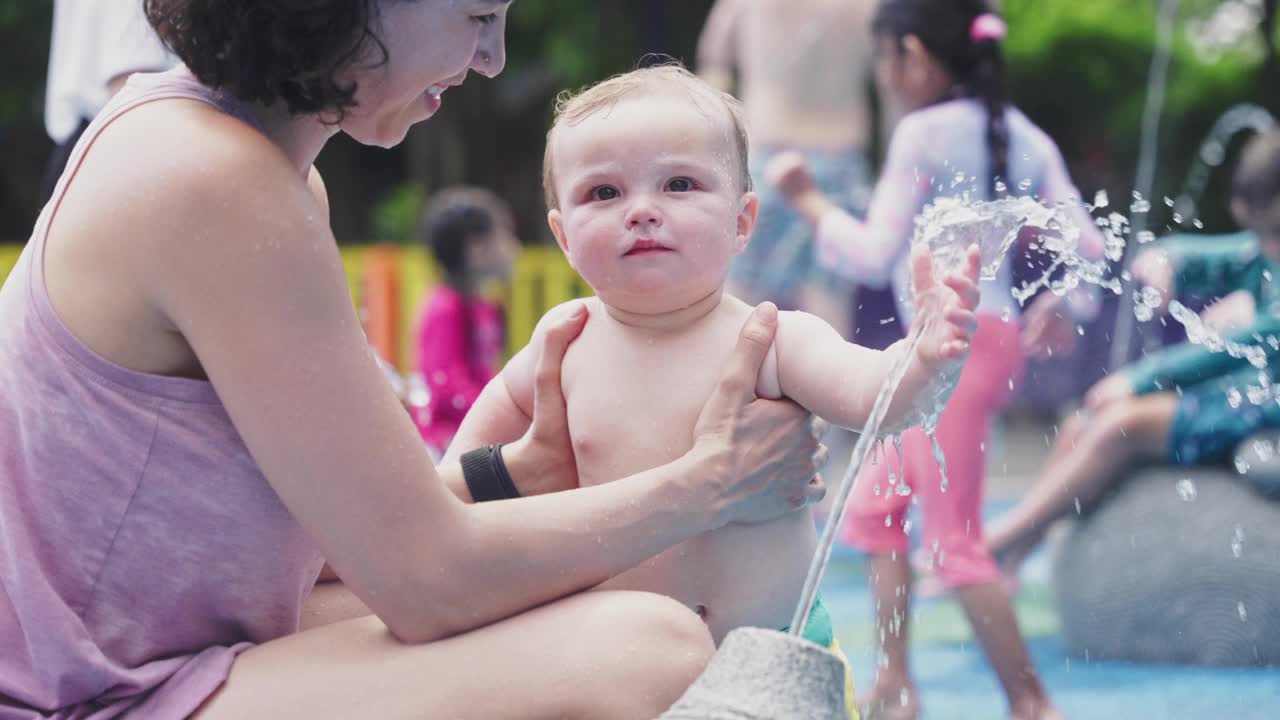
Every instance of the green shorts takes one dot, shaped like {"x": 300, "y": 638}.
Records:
{"x": 818, "y": 630}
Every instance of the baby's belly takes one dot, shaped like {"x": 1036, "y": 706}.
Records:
{"x": 735, "y": 576}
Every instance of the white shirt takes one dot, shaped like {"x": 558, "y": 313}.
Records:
{"x": 941, "y": 151}
{"x": 93, "y": 42}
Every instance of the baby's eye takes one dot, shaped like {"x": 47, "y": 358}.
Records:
{"x": 486, "y": 19}
{"x": 681, "y": 184}
{"x": 604, "y": 192}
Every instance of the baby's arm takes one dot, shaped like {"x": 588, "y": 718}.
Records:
{"x": 504, "y": 410}
{"x": 834, "y": 379}
{"x": 839, "y": 381}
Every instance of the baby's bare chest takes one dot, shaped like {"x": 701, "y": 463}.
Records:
{"x": 633, "y": 405}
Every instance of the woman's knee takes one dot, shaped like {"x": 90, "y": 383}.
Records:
{"x": 652, "y": 648}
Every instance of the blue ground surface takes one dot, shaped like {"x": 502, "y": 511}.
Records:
{"x": 957, "y": 684}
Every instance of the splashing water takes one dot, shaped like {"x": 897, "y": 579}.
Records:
{"x": 1144, "y": 180}
{"x": 1200, "y": 334}
{"x": 1186, "y": 489}
{"x": 948, "y": 228}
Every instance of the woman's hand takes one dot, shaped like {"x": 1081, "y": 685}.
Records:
{"x": 1047, "y": 328}
{"x": 763, "y": 454}
{"x": 542, "y": 461}
{"x": 952, "y": 313}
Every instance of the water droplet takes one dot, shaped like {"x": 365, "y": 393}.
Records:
{"x": 1237, "y": 541}
{"x": 1240, "y": 609}
{"x": 1151, "y": 297}
{"x": 1025, "y": 185}
{"x": 1143, "y": 313}
{"x": 903, "y": 490}
{"x": 1234, "y": 398}
{"x": 904, "y": 696}
{"x": 1140, "y": 206}
{"x": 1100, "y": 200}
{"x": 1186, "y": 489}
{"x": 1146, "y": 236}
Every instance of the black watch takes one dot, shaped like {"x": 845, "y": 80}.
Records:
{"x": 486, "y": 475}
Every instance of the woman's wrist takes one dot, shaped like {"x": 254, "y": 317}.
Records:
{"x": 694, "y": 480}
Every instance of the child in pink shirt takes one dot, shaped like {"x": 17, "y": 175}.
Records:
{"x": 461, "y": 334}
{"x": 939, "y": 62}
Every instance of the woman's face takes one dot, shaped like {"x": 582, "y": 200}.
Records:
{"x": 431, "y": 45}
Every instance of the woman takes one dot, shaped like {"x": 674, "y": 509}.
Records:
{"x": 191, "y": 424}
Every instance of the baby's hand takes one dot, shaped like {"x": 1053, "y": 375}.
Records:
{"x": 790, "y": 174}
{"x": 948, "y": 307}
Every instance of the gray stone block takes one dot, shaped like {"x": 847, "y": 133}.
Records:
{"x": 762, "y": 674}
{"x": 1178, "y": 565}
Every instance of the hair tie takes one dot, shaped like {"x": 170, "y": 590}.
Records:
{"x": 988, "y": 26}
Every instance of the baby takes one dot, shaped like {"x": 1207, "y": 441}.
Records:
{"x": 650, "y": 199}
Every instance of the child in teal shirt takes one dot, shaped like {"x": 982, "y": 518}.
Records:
{"x": 1186, "y": 404}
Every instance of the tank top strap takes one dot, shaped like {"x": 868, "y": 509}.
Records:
{"x": 141, "y": 88}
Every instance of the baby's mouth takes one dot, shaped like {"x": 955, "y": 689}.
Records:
{"x": 646, "y": 247}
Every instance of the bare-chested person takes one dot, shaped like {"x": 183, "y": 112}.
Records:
{"x": 802, "y": 69}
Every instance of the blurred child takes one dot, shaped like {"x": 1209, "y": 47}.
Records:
{"x": 803, "y": 71}
{"x": 461, "y": 335}
{"x": 650, "y": 199}
{"x": 940, "y": 63}
{"x": 1175, "y": 405}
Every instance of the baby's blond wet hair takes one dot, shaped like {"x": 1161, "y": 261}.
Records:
{"x": 573, "y": 108}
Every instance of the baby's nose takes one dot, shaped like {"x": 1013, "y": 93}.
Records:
{"x": 643, "y": 213}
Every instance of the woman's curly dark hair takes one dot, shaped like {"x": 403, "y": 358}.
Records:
{"x": 262, "y": 51}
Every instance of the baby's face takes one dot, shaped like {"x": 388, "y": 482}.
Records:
{"x": 652, "y": 209}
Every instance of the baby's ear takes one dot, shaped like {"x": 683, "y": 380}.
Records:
{"x": 556, "y": 221}
{"x": 748, "y": 211}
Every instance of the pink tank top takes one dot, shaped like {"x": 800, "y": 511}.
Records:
{"x": 141, "y": 548}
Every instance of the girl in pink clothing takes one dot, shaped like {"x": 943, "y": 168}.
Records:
{"x": 461, "y": 336}
{"x": 940, "y": 65}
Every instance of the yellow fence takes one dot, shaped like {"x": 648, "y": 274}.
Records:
{"x": 542, "y": 280}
